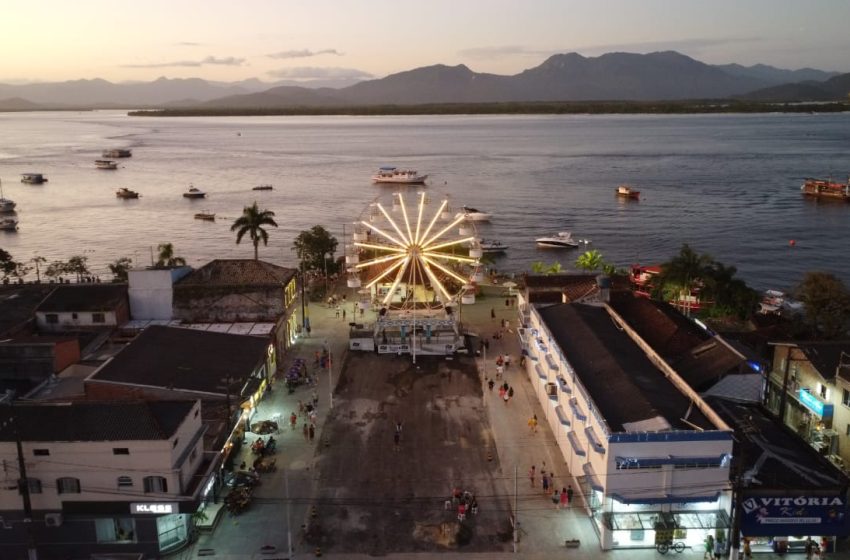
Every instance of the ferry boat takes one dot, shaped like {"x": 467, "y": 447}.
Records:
{"x": 561, "y": 240}
{"x": 194, "y": 192}
{"x": 263, "y": 188}
{"x": 33, "y": 178}
{"x": 397, "y": 175}
{"x": 207, "y": 216}
{"x": 492, "y": 246}
{"x": 829, "y": 189}
{"x": 8, "y": 224}
{"x": 625, "y": 191}
{"x": 471, "y": 214}
{"x": 117, "y": 153}
{"x": 124, "y": 192}
{"x": 6, "y": 204}
{"x": 105, "y": 164}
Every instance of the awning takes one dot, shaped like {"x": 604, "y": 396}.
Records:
{"x": 591, "y": 477}
{"x": 576, "y": 410}
{"x": 562, "y": 416}
{"x": 685, "y": 462}
{"x": 551, "y": 361}
{"x": 562, "y": 383}
{"x": 593, "y": 440}
{"x": 574, "y": 443}
{"x": 540, "y": 373}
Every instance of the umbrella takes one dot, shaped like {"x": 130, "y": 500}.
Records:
{"x": 510, "y": 286}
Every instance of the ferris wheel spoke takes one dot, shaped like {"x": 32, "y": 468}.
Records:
{"x": 434, "y": 219}
{"x": 395, "y": 226}
{"x": 419, "y": 218}
{"x": 384, "y": 234}
{"x": 380, "y": 247}
{"x": 397, "y": 280}
{"x": 454, "y": 223}
{"x": 433, "y": 255}
{"x": 448, "y": 244}
{"x": 436, "y": 281}
{"x": 385, "y": 273}
{"x": 378, "y": 260}
{"x": 404, "y": 213}
{"x": 438, "y": 266}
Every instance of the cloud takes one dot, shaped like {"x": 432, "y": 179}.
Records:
{"x": 188, "y": 44}
{"x": 315, "y": 73}
{"x": 505, "y": 50}
{"x": 210, "y": 60}
{"x": 303, "y": 53}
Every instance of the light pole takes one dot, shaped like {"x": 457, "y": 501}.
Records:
{"x": 330, "y": 376}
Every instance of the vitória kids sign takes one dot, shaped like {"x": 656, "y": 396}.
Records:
{"x": 794, "y": 515}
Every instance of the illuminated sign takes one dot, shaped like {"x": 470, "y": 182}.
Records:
{"x": 791, "y": 515}
{"x": 814, "y": 404}
{"x": 157, "y": 508}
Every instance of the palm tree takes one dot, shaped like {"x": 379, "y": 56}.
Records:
{"x": 166, "y": 256}
{"x": 590, "y": 260}
{"x": 251, "y": 222}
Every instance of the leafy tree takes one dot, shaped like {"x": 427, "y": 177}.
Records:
{"x": 166, "y": 256}
{"x": 827, "y": 303}
{"x": 77, "y": 265}
{"x": 538, "y": 267}
{"x": 7, "y": 264}
{"x": 687, "y": 269}
{"x": 251, "y": 222}
{"x": 590, "y": 260}
{"x": 38, "y": 260}
{"x": 313, "y": 245}
{"x": 56, "y": 269}
{"x": 120, "y": 268}
{"x": 554, "y": 268}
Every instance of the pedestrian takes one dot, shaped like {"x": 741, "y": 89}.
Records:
{"x": 312, "y": 432}
{"x": 490, "y": 385}
{"x": 507, "y": 361}
{"x": 564, "y": 503}
{"x": 492, "y": 313}
{"x": 507, "y": 302}
{"x": 300, "y": 407}
{"x": 824, "y": 546}
{"x": 556, "y": 498}
{"x": 396, "y": 440}
{"x": 709, "y": 548}
{"x": 810, "y": 549}
{"x": 506, "y": 398}
{"x": 308, "y": 331}
{"x": 293, "y": 420}
{"x": 337, "y": 312}
{"x": 748, "y": 551}
{"x": 531, "y": 473}
{"x": 510, "y": 392}
{"x": 313, "y": 417}
{"x": 499, "y": 371}
{"x": 545, "y": 483}
{"x": 306, "y": 432}
{"x": 486, "y": 344}
{"x": 532, "y": 423}
{"x": 343, "y": 314}
{"x": 569, "y": 494}
{"x": 505, "y": 385}
{"x": 502, "y": 392}
{"x": 315, "y": 397}
{"x": 316, "y": 363}
{"x": 719, "y": 548}
{"x": 398, "y": 427}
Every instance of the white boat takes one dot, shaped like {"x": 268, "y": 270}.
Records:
{"x": 396, "y": 175}
{"x": 194, "y": 192}
{"x": 491, "y": 246}
{"x": 8, "y": 224}
{"x": 6, "y": 204}
{"x": 561, "y": 240}
{"x": 105, "y": 164}
{"x": 117, "y": 153}
{"x": 471, "y": 214}
{"x": 33, "y": 178}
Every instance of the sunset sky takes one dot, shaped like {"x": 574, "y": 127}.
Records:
{"x": 227, "y": 40}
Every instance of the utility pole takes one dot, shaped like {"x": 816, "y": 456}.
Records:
{"x": 330, "y": 376}
{"x": 23, "y": 483}
{"x": 516, "y": 508}
{"x": 288, "y": 521}
{"x": 303, "y": 299}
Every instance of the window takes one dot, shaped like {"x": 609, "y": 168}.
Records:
{"x": 68, "y": 485}
{"x": 173, "y": 445}
{"x": 845, "y": 398}
{"x": 51, "y": 318}
{"x": 847, "y": 432}
{"x": 156, "y": 484}
{"x": 824, "y": 392}
{"x": 124, "y": 481}
{"x": 74, "y": 316}
{"x": 34, "y": 486}
{"x": 112, "y": 530}
{"x": 120, "y": 451}
{"x": 98, "y": 318}
{"x": 41, "y": 452}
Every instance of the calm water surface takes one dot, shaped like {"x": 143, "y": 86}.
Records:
{"x": 726, "y": 184}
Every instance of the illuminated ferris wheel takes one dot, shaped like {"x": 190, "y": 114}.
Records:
{"x": 414, "y": 255}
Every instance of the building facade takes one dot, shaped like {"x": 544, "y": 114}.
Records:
{"x": 76, "y": 307}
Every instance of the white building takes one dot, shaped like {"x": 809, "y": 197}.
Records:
{"x": 75, "y": 307}
{"x": 151, "y": 291}
{"x": 102, "y": 477}
{"x": 650, "y": 456}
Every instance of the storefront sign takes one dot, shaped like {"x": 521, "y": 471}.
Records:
{"x": 800, "y": 515}
{"x": 814, "y": 404}
{"x": 156, "y": 508}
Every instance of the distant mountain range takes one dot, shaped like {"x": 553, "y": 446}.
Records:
{"x": 563, "y": 77}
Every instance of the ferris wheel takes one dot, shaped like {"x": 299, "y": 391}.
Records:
{"x": 417, "y": 255}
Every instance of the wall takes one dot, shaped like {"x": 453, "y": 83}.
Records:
{"x": 227, "y": 304}
{"x": 150, "y": 292}
{"x": 67, "y": 321}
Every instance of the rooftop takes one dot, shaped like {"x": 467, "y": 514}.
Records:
{"x": 185, "y": 359}
{"x": 95, "y": 421}
{"x": 238, "y": 272}
{"x": 830, "y": 358}
{"x": 617, "y": 374}
{"x": 18, "y": 304}
{"x": 84, "y": 297}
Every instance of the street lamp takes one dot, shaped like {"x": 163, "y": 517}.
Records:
{"x": 330, "y": 376}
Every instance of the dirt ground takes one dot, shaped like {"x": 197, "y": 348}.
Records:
{"x": 374, "y": 498}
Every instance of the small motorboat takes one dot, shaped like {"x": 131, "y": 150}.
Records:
{"x": 124, "y": 192}
{"x": 491, "y": 246}
{"x": 8, "y": 224}
{"x": 194, "y": 192}
{"x": 105, "y": 164}
{"x": 263, "y": 188}
{"x": 6, "y": 204}
{"x": 624, "y": 191}
{"x": 471, "y": 214}
{"x": 117, "y": 153}
{"x": 206, "y": 216}
{"x": 33, "y": 178}
{"x": 561, "y": 240}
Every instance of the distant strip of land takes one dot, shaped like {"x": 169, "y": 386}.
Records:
{"x": 538, "y": 108}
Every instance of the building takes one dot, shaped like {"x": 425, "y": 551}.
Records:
{"x": 81, "y": 307}
{"x": 17, "y": 307}
{"x": 241, "y": 291}
{"x": 151, "y": 292}
{"x": 809, "y": 389}
{"x": 650, "y": 456}
{"x": 36, "y": 358}
{"x": 101, "y": 477}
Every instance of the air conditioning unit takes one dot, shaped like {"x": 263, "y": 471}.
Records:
{"x": 551, "y": 389}
{"x": 53, "y": 519}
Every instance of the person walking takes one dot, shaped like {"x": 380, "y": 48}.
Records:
{"x": 531, "y": 474}
{"x": 556, "y": 498}
{"x": 506, "y": 398}
{"x": 564, "y": 504}
{"x": 502, "y": 392}
{"x": 748, "y": 550}
{"x": 343, "y": 314}
{"x": 306, "y": 432}
{"x": 312, "y": 432}
{"x": 719, "y": 548}
{"x": 396, "y": 440}
{"x": 293, "y": 420}
{"x": 337, "y": 312}
{"x": 570, "y": 494}
{"x": 490, "y": 385}
{"x": 545, "y": 483}
{"x": 709, "y": 548}
{"x": 510, "y": 393}
{"x": 532, "y": 423}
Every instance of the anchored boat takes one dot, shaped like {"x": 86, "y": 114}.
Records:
{"x": 397, "y": 175}
{"x": 828, "y": 189}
